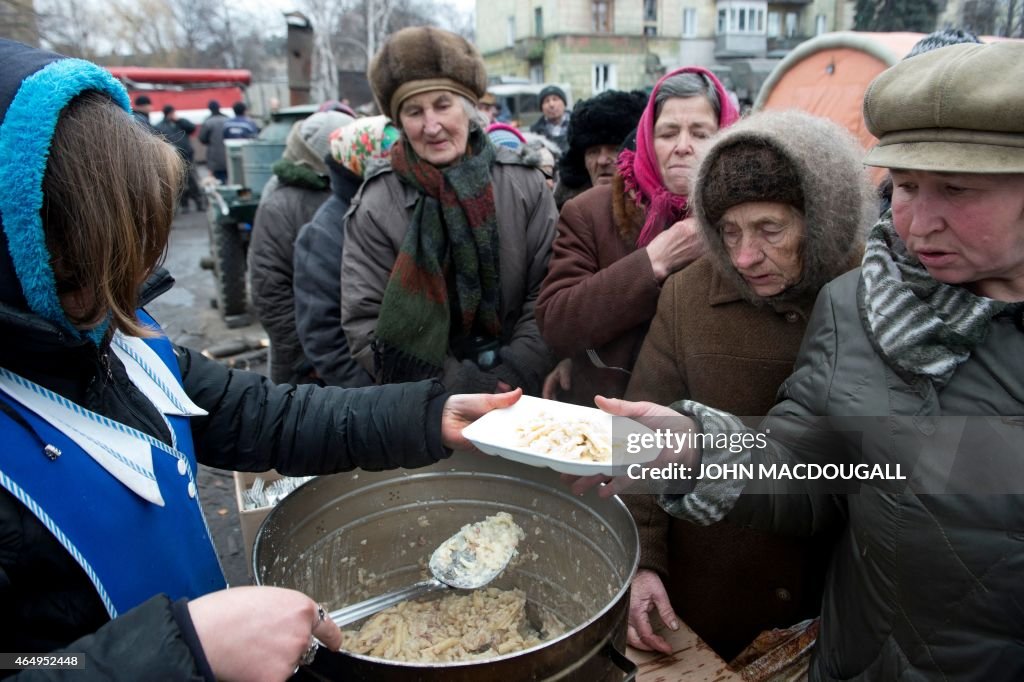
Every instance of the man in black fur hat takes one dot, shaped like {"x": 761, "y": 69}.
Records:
{"x": 598, "y": 127}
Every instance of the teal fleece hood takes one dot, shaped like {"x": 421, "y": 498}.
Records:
{"x": 35, "y": 86}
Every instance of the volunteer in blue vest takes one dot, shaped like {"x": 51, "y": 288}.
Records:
{"x": 103, "y": 547}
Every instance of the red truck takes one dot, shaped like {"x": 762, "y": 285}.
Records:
{"x": 189, "y": 91}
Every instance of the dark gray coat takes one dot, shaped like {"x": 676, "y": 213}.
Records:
{"x": 283, "y": 210}
{"x": 211, "y": 133}
{"x": 920, "y": 586}
{"x": 317, "y": 286}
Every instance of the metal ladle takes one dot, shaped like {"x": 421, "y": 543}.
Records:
{"x": 455, "y": 563}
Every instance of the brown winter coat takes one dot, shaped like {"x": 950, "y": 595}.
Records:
{"x": 715, "y": 341}
{"x": 706, "y": 342}
{"x": 600, "y": 292}
{"x": 375, "y": 230}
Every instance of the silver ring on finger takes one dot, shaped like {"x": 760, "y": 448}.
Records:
{"x": 309, "y": 654}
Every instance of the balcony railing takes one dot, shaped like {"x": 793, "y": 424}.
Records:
{"x": 740, "y": 44}
{"x": 529, "y": 49}
{"x": 785, "y": 43}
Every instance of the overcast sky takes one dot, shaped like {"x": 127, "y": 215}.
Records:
{"x": 277, "y": 6}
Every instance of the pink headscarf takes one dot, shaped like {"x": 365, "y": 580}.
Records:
{"x": 640, "y": 170}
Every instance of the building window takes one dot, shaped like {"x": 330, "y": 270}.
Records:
{"x": 791, "y": 21}
{"x": 537, "y": 73}
{"x": 602, "y": 14}
{"x": 774, "y": 23}
{"x": 603, "y": 78}
{"x": 538, "y": 22}
{"x": 650, "y": 10}
{"x": 819, "y": 24}
{"x": 740, "y": 17}
{"x": 650, "y": 30}
{"x": 510, "y": 32}
{"x": 689, "y": 22}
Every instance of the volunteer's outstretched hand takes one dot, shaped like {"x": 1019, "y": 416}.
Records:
{"x": 462, "y": 410}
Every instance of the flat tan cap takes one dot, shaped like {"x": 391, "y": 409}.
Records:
{"x": 956, "y": 109}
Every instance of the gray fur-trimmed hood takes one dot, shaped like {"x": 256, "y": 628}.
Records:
{"x": 840, "y": 204}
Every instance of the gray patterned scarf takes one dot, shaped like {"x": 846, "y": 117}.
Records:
{"x": 922, "y": 327}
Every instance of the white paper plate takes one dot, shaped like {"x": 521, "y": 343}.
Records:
{"x": 495, "y": 434}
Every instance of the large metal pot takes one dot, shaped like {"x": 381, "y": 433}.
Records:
{"x": 347, "y": 537}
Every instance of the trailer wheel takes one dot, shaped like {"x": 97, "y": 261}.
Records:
{"x": 228, "y": 251}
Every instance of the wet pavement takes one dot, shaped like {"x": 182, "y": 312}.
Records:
{"x": 186, "y": 314}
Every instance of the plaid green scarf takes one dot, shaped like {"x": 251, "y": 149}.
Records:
{"x": 454, "y": 228}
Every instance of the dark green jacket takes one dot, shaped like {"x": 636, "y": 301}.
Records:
{"x": 920, "y": 586}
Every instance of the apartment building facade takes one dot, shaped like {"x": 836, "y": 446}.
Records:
{"x": 595, "y": 45}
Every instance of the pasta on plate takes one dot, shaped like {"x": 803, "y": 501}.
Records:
{"x": 573, "y": 439}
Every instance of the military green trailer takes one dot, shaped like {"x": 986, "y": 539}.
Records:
{"x": 232, "y": 210}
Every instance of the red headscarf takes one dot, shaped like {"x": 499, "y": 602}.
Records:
{"x": 640, "y": 169}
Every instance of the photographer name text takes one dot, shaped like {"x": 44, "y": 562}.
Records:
{"x": 750, "y": 472}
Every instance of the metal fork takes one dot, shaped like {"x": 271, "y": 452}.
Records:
{"x": 255, "y": 494}
{"x": 597, "y": 362}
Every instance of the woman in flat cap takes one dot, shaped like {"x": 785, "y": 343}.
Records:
{"x": 445, "y": 247}
{"x": 907, "y": 395}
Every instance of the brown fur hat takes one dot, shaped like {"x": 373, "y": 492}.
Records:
{"x": 423, "y": 58}
{"x": 749, "y": 171}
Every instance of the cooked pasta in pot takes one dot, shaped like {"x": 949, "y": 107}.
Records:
{"x": 456, "y": 627}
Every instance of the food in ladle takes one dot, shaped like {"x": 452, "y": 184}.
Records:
{"x": 478, "y": 553}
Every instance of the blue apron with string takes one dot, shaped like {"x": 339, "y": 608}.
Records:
{"x": 122, "y": 503}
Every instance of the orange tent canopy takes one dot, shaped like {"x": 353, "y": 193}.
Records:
{"x": 828, "y": 75}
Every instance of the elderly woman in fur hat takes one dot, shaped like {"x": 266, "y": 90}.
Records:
{"x": 445, "y": 249}
{"x": 908, "y": 391}
{"x": 617, "y": 243}
{"x": 783, "y": 204}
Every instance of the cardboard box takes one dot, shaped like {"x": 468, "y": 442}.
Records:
{"x": 250, "y": 519}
